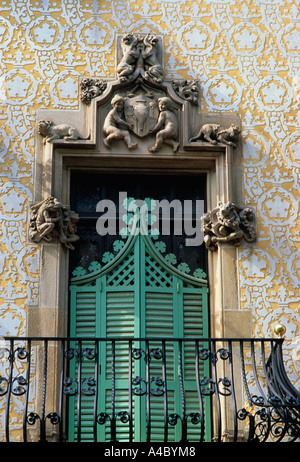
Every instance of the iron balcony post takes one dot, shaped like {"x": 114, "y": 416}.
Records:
{"x": 148, "y": 415}
{"x": 97, "y": 367}
{"x": 61, "y": 394}
{"x": 130, "y": 407}
{"x": 182, "y": 394}
{"x": 9, "y": 389}
{"x": 164, "y": 377}
{"x": 27, "y": 391}
{"x": 79, "y": 390}
{"x": 216, "y": 389}
{"x": 113, "y": 392}
{"x": 44, "y": 391}
{"x": 233, "y": 395}
{"x": 199, "y": 391}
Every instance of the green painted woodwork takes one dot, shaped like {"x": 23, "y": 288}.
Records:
{"x": 138, "y": 293}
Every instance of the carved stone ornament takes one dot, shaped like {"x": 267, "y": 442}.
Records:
{"x": 51, "y": 132}
{"x": 115, "y": 126}
{"x": 140, "y": 55}
{"x": 141, "y": 111}
{"x": 187, "y": 90}
{"x": 143, "y": 116}
{"x": 91, "y": 88}
{"x": 229, "y": 223}
{"x": 49, "y": 219}
{"x": 166, "y": 128}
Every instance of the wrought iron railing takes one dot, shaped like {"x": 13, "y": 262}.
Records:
{"x": 158, "y": 389}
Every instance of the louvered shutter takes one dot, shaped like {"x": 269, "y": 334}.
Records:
{"x": 117, "y": 321}
{"x": 194, "y": 305}
{"x": 159, "y": 322}
{"x": 84, "y": 302}
{"x": 139, "y": 297}
{"x": 172, "y": 308}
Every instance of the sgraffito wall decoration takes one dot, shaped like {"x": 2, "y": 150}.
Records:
{"x": 245, "y": 56}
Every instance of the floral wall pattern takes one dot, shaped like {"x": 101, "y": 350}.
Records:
{"x": 245, "y": 56}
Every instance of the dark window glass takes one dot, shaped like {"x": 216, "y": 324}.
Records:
{"x": 90, "y": 187}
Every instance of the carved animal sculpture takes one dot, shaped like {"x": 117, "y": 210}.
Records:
{"x": 214, "y": 133}
{"x": 151, "y": 62}
{"x": 51, "y": 132}
{"x": 131, "y": 53}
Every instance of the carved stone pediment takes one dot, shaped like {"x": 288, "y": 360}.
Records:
{"x": 141, "y": 109}
{"x": 141, "y": 115}
{"x": 139, "y": 121}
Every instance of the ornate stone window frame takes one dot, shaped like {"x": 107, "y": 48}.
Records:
{"x": 221, "y": 162}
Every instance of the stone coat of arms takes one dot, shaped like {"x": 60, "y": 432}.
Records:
{"x": 141, "y": 112}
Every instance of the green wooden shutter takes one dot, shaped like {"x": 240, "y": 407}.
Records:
{"x": 118, "y": 314}
{"x": 194, "y": 326}
{"x": 84, "y": 302}
{"x": 139, "y": 295}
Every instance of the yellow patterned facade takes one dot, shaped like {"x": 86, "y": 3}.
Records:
{"x": 246, "y": 58}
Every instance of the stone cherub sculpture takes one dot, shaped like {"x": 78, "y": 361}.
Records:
{"x": 50, "y": 132}
{"x": 228, "y": 223}
{"x": 115, "y": 125}
{"x": 166, "y": 128}
{"x": 214, "y": 133}
{"x": 49, "y": 218}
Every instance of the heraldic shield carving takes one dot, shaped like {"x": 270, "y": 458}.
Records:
{"x": 141, "y": 112}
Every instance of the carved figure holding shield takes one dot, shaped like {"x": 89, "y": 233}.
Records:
{"x": 113, "y": 123}
{"x": 166, "y": 127}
